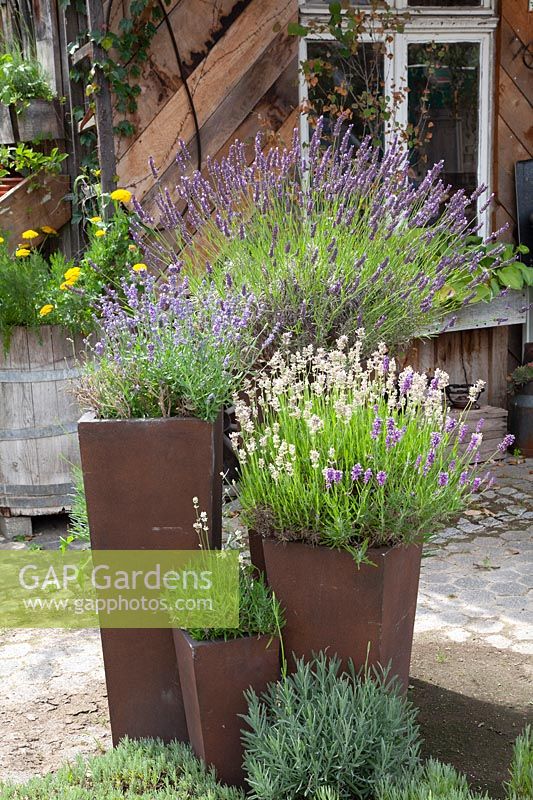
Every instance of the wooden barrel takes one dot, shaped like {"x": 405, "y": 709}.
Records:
{"x": 38, "y": 421}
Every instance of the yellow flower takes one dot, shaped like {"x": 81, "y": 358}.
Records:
{"x": 22, "y": 252}
{"x": 49, "y": 229}
{"x": 140, "y": 267}
{"x": 73, "y": 274}
{"x": 122, "y": 195}
{"x": 99, "y": 233}
{"x": 131, "y": 247}
{"x": 97, "y": 172}
{"x": 95, "y": 219}
{"x": 46, "y": 310}
{"x": 2, "y": 240}
{"x": 30, "y": 234}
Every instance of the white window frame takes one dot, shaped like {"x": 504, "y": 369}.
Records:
{"x": 474, "y": 24}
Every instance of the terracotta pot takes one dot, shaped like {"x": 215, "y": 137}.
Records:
{"x": 140, "y": 477}
{"x": 366, "y": 614}
{"x": 214, "y": 676}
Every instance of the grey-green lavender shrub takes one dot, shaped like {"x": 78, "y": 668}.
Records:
{"x": 433, "y": 781}
{"x": 520, "y": 786}
{"x": 141, "y": 770}
{"x": 320, "y": 728}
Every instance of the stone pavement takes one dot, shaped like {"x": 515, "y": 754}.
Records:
{"x": 475, "y": 588}
{"x": 477, "y": 581}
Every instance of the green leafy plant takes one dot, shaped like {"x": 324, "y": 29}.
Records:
{"x": 259, "y": 611}
{"x": 347, "y": 453}
{"x": 520, "y": 786}
{"x": 318, "y": 728}
{"x": 22, "y": 78}
{"x": 498, "y": 270}
{"x": 78, "y": 526}
{"x": 25, "y": 160}
{"x": 23, "y": 281}
{"x": 519, "y": 377}
{"x": 140, "y": 770}
{"x": 434, "y": 781}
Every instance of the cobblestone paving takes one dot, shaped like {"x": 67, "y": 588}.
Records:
{"x": 477, "y": 582}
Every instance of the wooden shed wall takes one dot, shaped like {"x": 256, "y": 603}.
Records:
{"x": 514, "y": 105}
{"x": 241, "y": 71}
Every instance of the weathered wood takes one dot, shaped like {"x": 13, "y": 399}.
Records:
{"x": 38, "y": 418}
{"x": 28, "y": 206}
{"x": 493, "y": 429}
{"x": 511, "y": 151}
{"x": 467, "y": 356}
{"x": 512, "y": 64}
{"x": 235, "y": 105}
{"x": 232, "y": 56}
{"x": 103, "y": 104}
{"x": 45, "y": 25}
{"x": 196, "y": 25}
{"x": 509, "y": 309}
{"x": 15, "y": 527}
{"x": 41, "y": 119}
{"x": 516, "y": 111}
{"x": 7, "y": 135}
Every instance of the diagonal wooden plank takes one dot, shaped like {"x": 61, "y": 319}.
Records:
{"x": 235, "y": 106}
{"x": 512, "y": 62}
{"x": 196, "y": 25}
{"x": 510, "y": 151}
{"x": 516, "y": 111}
{"x": 218, "y": 74}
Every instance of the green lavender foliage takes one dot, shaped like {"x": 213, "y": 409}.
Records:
{"x": 434, "y": 781}
{"x": 520, "y": 787}
{"x": 142, "y": 770}
{"x": 78, "y": 528}
{"x": 259, "y": 611}
{"x": 318, "y": 728}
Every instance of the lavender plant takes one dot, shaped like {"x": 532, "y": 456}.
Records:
{"x": 167, "y": 353}
{"x": 330, "y": 240}
{"x": 350, "y": 455}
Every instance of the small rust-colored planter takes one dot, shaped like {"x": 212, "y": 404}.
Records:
{"x": 356, "y": 613}
{"x": 140, "y": 477}
{"x": 214, "y": 676}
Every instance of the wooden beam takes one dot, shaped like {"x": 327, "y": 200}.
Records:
{"x": 103, "y": 104}
{"x": 516, "y": 111}
{"x": 243, "y": 44}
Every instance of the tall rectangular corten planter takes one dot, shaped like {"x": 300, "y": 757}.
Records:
{"x": 214, "y": 676}
{"x": 140, "y": 477}
{"x": 364, "y": 613}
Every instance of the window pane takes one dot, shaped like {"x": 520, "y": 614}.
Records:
{"x": 443, "y": 105}
{"x": 351, "y": 83}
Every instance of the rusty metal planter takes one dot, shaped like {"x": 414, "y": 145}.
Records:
{"x": 356, "y": 613}
{"x": 214, "y": 676}
{"x": 140, "y": 477}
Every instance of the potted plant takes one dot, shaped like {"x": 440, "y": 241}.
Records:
{"x": 218, "y": 665}
{"x": 347, "y": 468}
{"x": 155, "y": 384}
{"x": 521, "y": 408}
{"x": 29, "y": 108}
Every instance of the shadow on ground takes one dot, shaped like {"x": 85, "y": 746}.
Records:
{"x": 473, "y": 735}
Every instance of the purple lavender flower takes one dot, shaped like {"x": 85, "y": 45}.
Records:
{"x": 368, "y": 475}
{"x": 435, "y": 439}
{"x": 376, "y": 428}
{"x": 480, "y": 424}
{"x": 450, "y": 424}
{"x": 357, "y": 471}
{"x": 381, "y": 477}
{"x": 332, "y": 476}
{"x": 474, "y": 443}
{"x": 443, "y": 479}
{"x": 476, "y": 483}
{"x": 506, "y": 442}
{"x": 463, "y": 478}
{"x": 463, "y": 430}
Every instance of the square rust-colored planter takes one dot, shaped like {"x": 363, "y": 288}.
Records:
{"x": 356, "y": 613}
{"x": 214, "y": 676}
{"x": 140, "y": 477}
